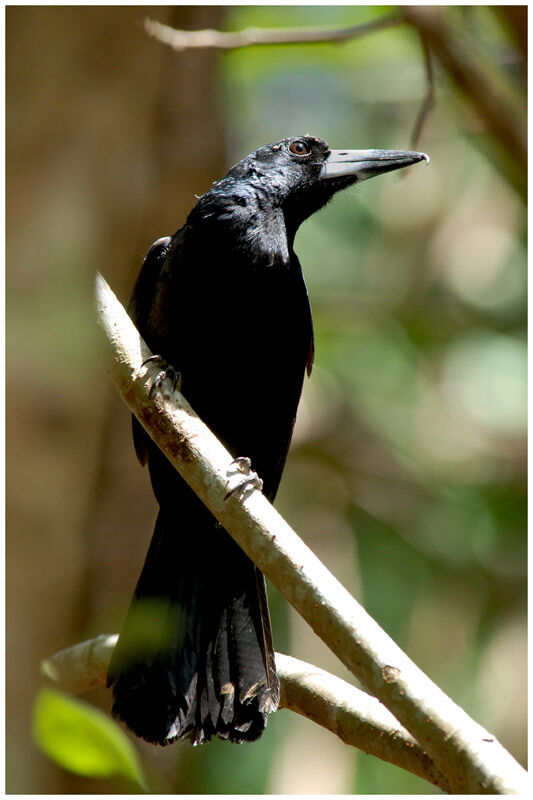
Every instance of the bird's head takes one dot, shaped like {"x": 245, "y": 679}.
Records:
{"x": 263, "y": 199}
{"x": 300, "y": 174}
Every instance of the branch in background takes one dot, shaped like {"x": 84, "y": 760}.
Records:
{"x": 499, "y": 114}
{"x": 229, "y": 40}
{"x": 429, "y": 97}
{"x": 514, "y": 18}
{"x": 472, "y": 760}
{"x": 357, "y": 718}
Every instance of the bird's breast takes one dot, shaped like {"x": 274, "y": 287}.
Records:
{"x": 245, "y": 341}
{"x": 240, "y": 334}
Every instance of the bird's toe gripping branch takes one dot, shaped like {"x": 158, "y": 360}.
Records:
{"x": 240, "y": 470}
{"x": 167, "y": 371}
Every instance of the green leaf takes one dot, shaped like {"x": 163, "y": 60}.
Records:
{"x": 82, "y": 739}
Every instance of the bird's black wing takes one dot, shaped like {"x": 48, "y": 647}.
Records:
{"x": 139, "y": 309}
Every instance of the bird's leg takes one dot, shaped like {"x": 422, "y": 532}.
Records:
{"x": 168, "y": 371}
{"x": 247, "y": 479}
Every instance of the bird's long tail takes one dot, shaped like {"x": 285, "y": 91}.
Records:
{"x": 195, "y": 656}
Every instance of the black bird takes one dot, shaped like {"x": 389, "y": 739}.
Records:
{"x": 223, "y": 302}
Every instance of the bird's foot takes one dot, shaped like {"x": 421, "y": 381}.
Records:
{"x": 167, "y": 371}
{"x": 247, "y": 479}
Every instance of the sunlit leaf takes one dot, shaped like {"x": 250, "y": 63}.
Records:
{"x": 82, "y": 739}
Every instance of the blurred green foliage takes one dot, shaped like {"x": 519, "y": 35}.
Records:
{"x": 82, "y": 739}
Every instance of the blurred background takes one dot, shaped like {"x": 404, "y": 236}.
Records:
{"x": 407, "y": 471}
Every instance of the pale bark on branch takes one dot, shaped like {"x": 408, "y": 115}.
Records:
{"x": 357, "y": 718}
{"x": 470, "y": 757}
{"x": 180, "y": 40}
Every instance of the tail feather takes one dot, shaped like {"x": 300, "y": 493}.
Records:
{"x": 195, "y": 657}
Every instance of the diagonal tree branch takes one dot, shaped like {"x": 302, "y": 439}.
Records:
{"x": 231, "y": 40}
{"x": 470, "y": 757}
{"x": 357, "y": 718}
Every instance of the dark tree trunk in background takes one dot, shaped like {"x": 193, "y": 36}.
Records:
{"x": 109, "y": 136}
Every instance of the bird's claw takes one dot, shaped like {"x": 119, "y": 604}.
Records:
{"x": 248, "y": 480}
{"x": 168, "y": 371}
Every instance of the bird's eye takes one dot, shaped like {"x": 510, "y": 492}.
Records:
{"x": 299, "y": 148}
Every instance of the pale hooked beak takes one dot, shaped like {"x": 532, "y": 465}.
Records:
{"x": 363, "y": 164}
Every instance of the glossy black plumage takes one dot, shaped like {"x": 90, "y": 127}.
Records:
{"x": 224, "y": 302}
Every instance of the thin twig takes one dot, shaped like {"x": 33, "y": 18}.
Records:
{"x": 470, "y": 757}
{"x": 498, "y": 111}
{"x": 429, "y": 97}
{"x": 181, "y": 40}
